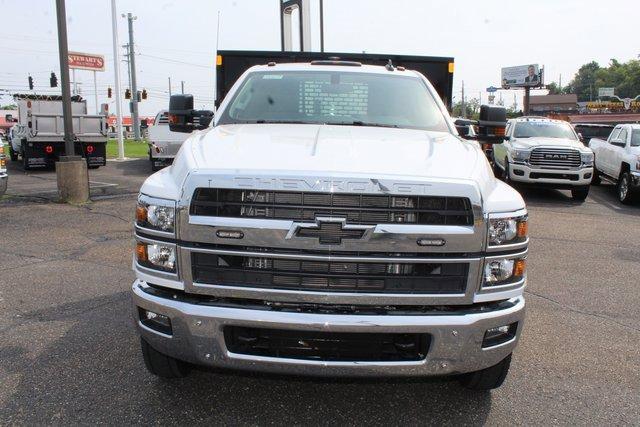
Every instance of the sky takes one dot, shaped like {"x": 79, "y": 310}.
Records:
{"x": 177, "y": 39}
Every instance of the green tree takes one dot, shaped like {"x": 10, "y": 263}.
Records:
{"x": 624, "y": 77}
{"x": 9, "y": 107}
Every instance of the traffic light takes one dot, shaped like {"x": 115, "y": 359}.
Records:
{"x": 109, "y": 93}
{"x": 138, "y": 96}
{"x": 30, "y": 83}
{"x": 53, "y": 80}
{"x": 127, "y": 94}
{"x": 144, "y": 94}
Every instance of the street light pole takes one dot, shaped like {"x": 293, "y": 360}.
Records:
{"x": 116, "y": 70}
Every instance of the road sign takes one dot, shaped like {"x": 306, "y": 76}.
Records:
{"x": 86, "y": 61}
{"x": 492, "y": 89}
{"x": 606, "y": 91}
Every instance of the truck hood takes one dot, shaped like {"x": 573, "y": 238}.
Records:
{"x": 333, "y": 158}
{"x": 526, "y": 143}
{"x": 349, "y": 150}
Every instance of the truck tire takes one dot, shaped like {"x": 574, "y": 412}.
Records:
{"x": 580, "y": 193}
{"x": 596, "y": 180}
{"x": 625, "y": 195}
{"x": 488, "y": 378}
{"x": 12, "y": 154}
{"x": 162, "y": 365}
{"x": 25, "y": 161}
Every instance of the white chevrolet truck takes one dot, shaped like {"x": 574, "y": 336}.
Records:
{"x": 542, "y": 152}
{"x": 163, "y": 144}
{"x": 618, "y": 160}
{"x": 329, "y": 221}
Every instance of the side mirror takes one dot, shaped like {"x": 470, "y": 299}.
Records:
{"x": 581, "y": 137}
{"x": 183, "y": 118}
{"x": 492, "y": 124}
{"x": 507, "y": 138}
{"x": 8, "y": 118}
{"x": 465, "y": 128}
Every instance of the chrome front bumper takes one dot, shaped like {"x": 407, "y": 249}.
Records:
{"x": 583, "y": 175}
{"x": 456, "y": 339}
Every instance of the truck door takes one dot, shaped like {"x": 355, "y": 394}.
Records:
{"x": 604, "y": 156}
{"x": 616, "y": 152}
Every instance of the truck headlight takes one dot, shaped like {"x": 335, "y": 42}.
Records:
{"x": 503, "y": 271}
{"x": 157, "y": 214}
{"x": 157, "y": 256}
{"x": 520, "y": 155}
{"x": 587, "y": 159}
{"x": 505, "y": 231}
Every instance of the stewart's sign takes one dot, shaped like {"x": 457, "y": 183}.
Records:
{"x": 86, "y": 61}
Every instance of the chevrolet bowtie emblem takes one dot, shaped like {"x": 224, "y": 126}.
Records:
{"x": 330, "y": 231}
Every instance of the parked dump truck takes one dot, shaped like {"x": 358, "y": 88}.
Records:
{"x": 38, "y": 137}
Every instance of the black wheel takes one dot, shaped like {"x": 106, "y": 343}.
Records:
{"x": 93, "y": 166}
{"x": 12, "y": 154}
{"x": 625, "y": 195}
{"x": 488, "y": 378}
{"x": 162, "y": 365}
{"x": 25, "y": 161}
{"x": 580, "y": 193}
{"x": 497, "y": 172}
{"x": 506, "y": 177}
{"x": 596, "y": 180}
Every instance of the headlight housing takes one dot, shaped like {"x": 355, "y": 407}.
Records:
{"x": 503, "y": 271}
{"x": 156, "y": 214}
{"x": 508, "y": 230}
{"x": 520, "y": 155}
{"x": 587, "y": 158}
{"x": 158, "y": 256}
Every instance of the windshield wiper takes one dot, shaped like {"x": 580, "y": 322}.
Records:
{"x": 361, "y": 123}
{"x": 292, "y": 122}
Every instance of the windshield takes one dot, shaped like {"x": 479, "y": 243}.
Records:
{"x": 340, "y": 98}
{"x": 543, "y": 130}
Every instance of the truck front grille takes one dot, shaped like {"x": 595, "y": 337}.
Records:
{"x": 327, "y": 346}
{"x": 332, "y": 276}
{"x": 356, "y": 208}
{"x": 555, "y": 158}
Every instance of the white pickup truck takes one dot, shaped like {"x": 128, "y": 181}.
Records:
{"x": 163, "y": 144}
{"x": 542, "y": 152}
{"x": 618, "y": 160}
{"x": 331, "y": 221}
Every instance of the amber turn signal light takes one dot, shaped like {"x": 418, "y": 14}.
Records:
{"x": 141, "y": 251}
{"x": 141, "y": 214}
{"x": 519, "y": 267}
{"x": 523, "y": 228}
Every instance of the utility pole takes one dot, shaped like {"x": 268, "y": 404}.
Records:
{"x": 182, "y": 86}
{"x": 63, "y": 51}
{"x": 71, "y": 171}
{"x": 134, "y": 88}
{"x": 116, "y": 70}
{"x": 169, "y": 86}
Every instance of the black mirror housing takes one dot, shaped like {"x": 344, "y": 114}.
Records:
{"x": 182, "y": 116}
{"x": 492, "y": 124}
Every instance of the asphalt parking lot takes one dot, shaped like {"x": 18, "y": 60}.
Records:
{"x": 69, "y": 353}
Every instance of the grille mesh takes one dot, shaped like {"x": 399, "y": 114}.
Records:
{"x": 555, "y": 158}
{"x": 356, "y": 208}
{"x": 389, "y": 277}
